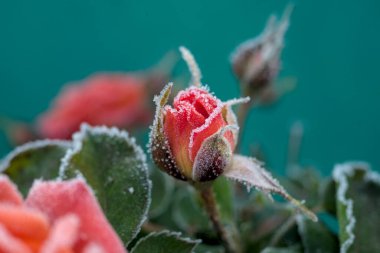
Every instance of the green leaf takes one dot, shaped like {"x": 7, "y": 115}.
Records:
{"x": 163, "y": 242}
{"x": 358, "y": 205}
{"x": 115, "y": 167}
{"x": 328, "y": 199}
{"x": 294, "y": 249}
{"x": 316, "y": 237}
{"x": 202, "y": 248}
{"x": 34, "y": 160}
{"x": 162, "y": 192}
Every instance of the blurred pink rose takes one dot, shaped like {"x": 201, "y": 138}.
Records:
{"x": 103, "y": 99}
{"x": 56, "y": 217}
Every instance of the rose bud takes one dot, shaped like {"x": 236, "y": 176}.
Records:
{"x": 195, "y": 139}
{"x": 256, "y": 62}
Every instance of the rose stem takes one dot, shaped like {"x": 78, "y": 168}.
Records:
{"x": 210, "y": 205}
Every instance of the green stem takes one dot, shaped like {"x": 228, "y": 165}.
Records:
{"x": 210, "y": 205}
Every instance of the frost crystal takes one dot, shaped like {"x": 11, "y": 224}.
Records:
{"x": 196, "y": 74}
{"x": 340, "y": 174}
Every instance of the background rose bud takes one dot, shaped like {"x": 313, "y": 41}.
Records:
{"x": 56, "y": 217}
{"x": 104, "y": 99}
{"x": 256, "y": 62}
{"x": 196, "y": 133}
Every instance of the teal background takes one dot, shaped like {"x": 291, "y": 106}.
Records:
{"x": 332, "y": 47}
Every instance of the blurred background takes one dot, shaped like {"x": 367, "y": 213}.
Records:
{"x": 331, "y": 48}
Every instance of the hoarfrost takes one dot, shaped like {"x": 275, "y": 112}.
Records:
{"x": 236, "y": 101}
{"x": 30, "y": 146}
{"x": 340, "y": 174}
{"x": 167, "y": 233}
{"x": 196, "y": 74}
{"x": 249, "y": 171}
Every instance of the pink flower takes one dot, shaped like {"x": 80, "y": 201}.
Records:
{"x": 197, "y": 133}
{"x": 56, "y": 217}
{"x": 103, "y": 99}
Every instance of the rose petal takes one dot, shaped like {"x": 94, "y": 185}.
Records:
{"x": 177, "y": 131}
{"x": 24, "y": 223}
{"x": 10, "y": 244}
{"x": 93, "y": 248}
{"x": 63, "y": 236}
{"x": 58, "y": 199}
{"x": 9, "y": 192}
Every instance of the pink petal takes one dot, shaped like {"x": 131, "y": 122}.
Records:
{"x": 93, "y": 248}
{"x": 10, "y": 244}
{"x": 63, "y": 235}
{"x": 57, "y": 199}
{"x": 9, "y": 192}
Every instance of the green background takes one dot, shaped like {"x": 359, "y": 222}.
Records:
{"x": 332, "y": 47}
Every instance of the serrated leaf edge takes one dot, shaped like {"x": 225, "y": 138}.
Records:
{"x": 168, "y": 233}
{"x": 78, "y": 138}
{"x": 5, "y": 162}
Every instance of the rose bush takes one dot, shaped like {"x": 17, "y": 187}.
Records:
{"x": 56, "y": 217}
{"x": 104, "y": 99}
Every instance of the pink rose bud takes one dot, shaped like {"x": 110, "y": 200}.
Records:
{"x": 256, "y": 62}
{"x": 194, "y": 139}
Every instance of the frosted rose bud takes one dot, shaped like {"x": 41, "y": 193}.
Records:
{"x": 194, "y": 139}
{"x": 256, "y": 62}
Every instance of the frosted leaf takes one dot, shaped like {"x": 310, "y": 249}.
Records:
{"x": 158, "y": 144}
{"x": 196, "y": 74}
{"x": 34, "y": 145}
{"x": 34, "y": 160}
{"x": 115, "y": 167}
{"x": 165, "y": 241}
{"x": 358, "y": 203}
{"x": 340, "y": 174}
{"x": 249, "y": 171}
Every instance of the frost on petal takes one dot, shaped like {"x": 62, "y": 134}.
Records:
{"x": 8, "y": 192}
{"x": 57, "y": 199}
{"x": 251, "y": 173}
{"x": 158, "y": 143}
{"x": 10, "y": 244}
{"x": 63, "y": 235}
